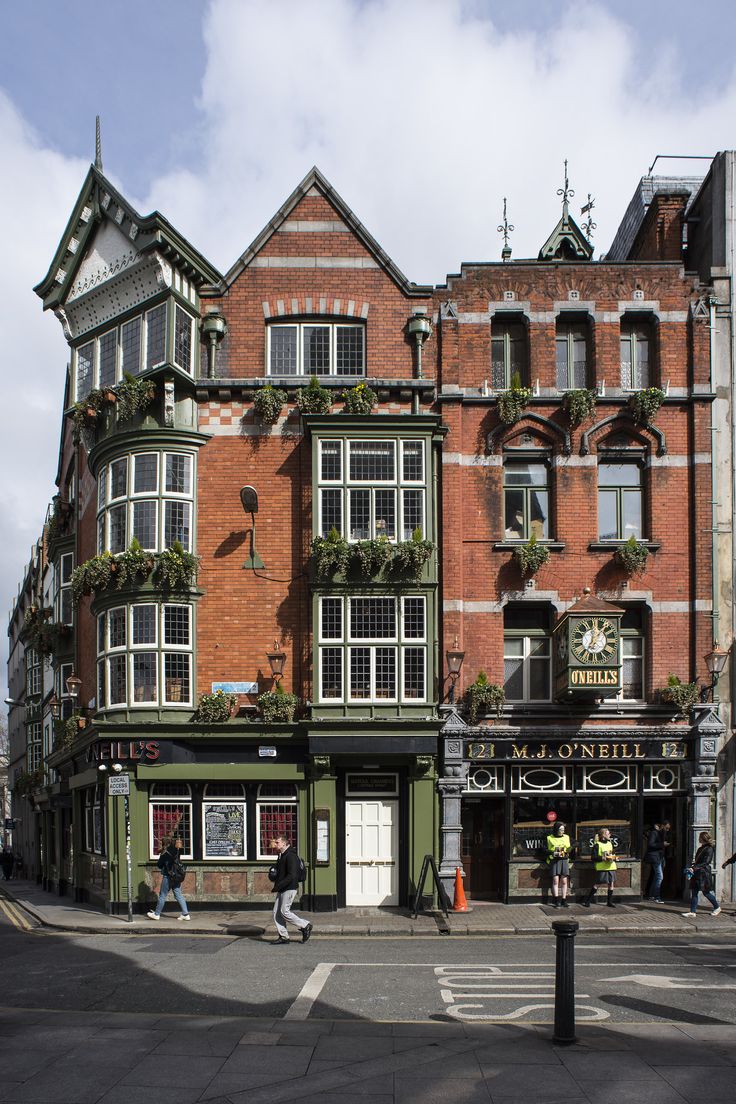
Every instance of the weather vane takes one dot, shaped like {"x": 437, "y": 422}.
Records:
{"x": 567, "y": 193}
{"x": 589, "y": 226}
{"x": 505, "y": 228}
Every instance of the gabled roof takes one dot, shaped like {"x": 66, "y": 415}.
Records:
{"x": 315, "y": 179}
{"x": 590, "y": 604}
{"x": 567, "y": 242}
{"x": 99, "y": 201}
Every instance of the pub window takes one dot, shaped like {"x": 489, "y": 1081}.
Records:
{"x": 526, "y": 654}
{"x": 88, "y": 833}
{"x": 276, "y": 815}
{"x": 530, "y": 823}
{"x": 508, "y": 354}
{"x": 618, "y": 814}
{"x": 662, "y": 779}
{"x": 620, "y": 499}
{"x": 98, "y": 820}
{"x": 572, "y": 346}
{"x": 632, "y": 655}
{"x": 637, "y": 347}
{"x": 224, "y": 821}
{"x": 485, "y": 780}
{"x": 170, "y": 814}
{"x": 526, "y": 500}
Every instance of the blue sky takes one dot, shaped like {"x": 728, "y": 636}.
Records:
{"x": 424, "y": 114}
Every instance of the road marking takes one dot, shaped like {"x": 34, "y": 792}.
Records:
{"x": 313, "y": 986}
{"x": 14, "y": 915}
{"x": 657, "y": 981}
{"x": 493, "y": 984}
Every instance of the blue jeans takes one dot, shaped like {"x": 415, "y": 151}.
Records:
{"x": 655, "y": 879}
{"x": 164, "y": 893}
{"x": 706, "y": 893}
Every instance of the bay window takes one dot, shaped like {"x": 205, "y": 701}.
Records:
{"x": 144, "y": 655}
{"x": 372, "y": 488}
{"x": 147, "y": 496}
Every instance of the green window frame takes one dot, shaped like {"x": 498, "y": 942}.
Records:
{"x": 509, "y": 353}
{"x": 620, "y": 499}
{"x": 526, "y": 495}
{"x": 572, "y": 355}
{"x": 637, "y": 348}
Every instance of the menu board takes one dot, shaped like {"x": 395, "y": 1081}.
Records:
{"x": 224, "y": 831}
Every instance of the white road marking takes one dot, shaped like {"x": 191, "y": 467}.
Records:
{"x": 459, "y": 1012}
{"x": 657, "y": 981}
{"x": 313, "y": 986}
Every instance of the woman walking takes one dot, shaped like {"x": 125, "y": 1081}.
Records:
{"x": 171, "y": 878}
{"x": 701, "y": 879}
{"x": 604, "y": 859}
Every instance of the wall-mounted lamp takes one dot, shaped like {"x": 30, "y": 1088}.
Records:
{"x": 55, "y": 706}
{"x": 249, "y": 502}
{"x": 454, "y": 662}
{"x": 214, "y": 329}
{"x": 420, "y": 328}
{"x": 73, "y": 686}
{"x": 715, "y": 661}
{"x": 276, "y": 659}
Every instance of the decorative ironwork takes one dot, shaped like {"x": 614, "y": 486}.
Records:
{"x": 589, "y": 226}
{"x": 566, "y": 192}
{"x": 506, "y": 228}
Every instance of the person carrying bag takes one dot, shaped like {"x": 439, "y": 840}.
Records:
{"x": 173, "y": 873}
{"x": 701, "y": 878}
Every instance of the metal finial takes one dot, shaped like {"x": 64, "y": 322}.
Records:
{"x": 589, "y": 226}
{"x": 98, "y": 144}
{"x": 567, "y": 193}
{"x": 505, "y": 228}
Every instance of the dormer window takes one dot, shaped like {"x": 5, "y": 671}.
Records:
{"x": 316, "y": 349}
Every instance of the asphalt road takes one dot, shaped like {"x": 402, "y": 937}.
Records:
{"x": 499, "y": 980}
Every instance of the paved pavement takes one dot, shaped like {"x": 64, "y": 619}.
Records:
{"x": 61, "y": 914}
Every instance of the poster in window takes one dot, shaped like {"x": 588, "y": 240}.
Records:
{"x": 224, "y": 831}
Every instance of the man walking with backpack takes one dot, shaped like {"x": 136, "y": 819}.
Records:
{"x": 289, "y": 872}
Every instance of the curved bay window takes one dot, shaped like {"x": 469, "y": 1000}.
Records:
{"x": 620, "y": 498}
{"x": 276, "y": 815}
{"x": 224, "y": 821}
{"x": 147, "y": 496}
{"x": 526, "y": 653}
{"x": 526, "y": 499}
{"x": 144, "y": 655}
{"x": 509, "y": 360}
{"x": 637, "y": 348}
{"x": 170, "y": 814}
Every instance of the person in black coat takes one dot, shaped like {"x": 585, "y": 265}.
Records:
{"x": 169, "y": 858}
{"x": 7, "y": 862}
{"x": 701, "y": 879}
{"x": 286, "y": 887}
{"x": 654, "y": 854}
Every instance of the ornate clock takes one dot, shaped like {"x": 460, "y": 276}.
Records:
{"x": 587, "y": 651}
{"x": 594, "y": 640}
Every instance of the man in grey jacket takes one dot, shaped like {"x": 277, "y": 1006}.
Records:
{"x": 286, "y": 887}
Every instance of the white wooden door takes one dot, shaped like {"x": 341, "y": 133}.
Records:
{"x": 371, "y": 848}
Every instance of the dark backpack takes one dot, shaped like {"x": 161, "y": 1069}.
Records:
{"x": 302, "y": 869}
{"x": 178, "y": 873}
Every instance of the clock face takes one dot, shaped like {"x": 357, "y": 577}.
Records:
{"x": 594, "y": 640}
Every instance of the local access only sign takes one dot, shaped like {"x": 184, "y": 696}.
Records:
{"x": 118, "y": 785}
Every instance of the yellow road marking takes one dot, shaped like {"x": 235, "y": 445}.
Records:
{"x": 14, "y": 915}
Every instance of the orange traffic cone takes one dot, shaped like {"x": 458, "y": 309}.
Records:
{"x": 459, "y": 904}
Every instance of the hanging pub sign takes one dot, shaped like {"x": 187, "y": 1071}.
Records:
{"x": 586, "y": 646}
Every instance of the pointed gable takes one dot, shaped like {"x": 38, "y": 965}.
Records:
{"x": 567, "y": 242}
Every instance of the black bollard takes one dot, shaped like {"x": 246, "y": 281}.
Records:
{"x": 565, "y": 931}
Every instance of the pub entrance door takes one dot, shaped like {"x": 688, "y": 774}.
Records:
{"x": 483, "y": 852}
{"x": 657, "y": 810}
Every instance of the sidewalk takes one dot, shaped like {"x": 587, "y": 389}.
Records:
{"x": 61, "y": 914}
{"x": 126, "y": 1058}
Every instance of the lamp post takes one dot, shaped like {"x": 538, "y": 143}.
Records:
{"x": 454, "y": 662}
{"x": 715, "y": 661}
{"x": 276, "y": 659}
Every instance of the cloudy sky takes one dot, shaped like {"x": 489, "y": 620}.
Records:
{"x": 423, "y": 114}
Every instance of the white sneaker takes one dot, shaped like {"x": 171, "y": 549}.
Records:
{"x": 716, "y": 912}
{"x": 184, "y": 916}
{"x": 692, "y": 915}
{"x": 153, "y": 916}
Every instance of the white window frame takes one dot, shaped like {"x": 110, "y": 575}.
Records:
{"x": 632, "y": 332}
{"x": 569, "y": 329}
{"x": 34, "y": 745}
{"x": 162, "y": 497}
{"x": 160, "y": 648}
{"x": 275, "y": 802}
{"x": 564, "y": 779}
{"x": 154, "y": 800}
{"x": 528, "y": 637}
{"x": 316, "y": 323}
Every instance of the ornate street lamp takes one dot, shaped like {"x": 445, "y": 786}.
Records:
{"x": 454, "y": 662}
{"x": 715, "y": 661}
{"x": 276, "y": 659}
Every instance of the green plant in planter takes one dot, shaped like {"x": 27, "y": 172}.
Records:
{"x": 513, "y": 402}
{"x": 215, "y": 708}
{"x": 66, "y": 732}
{"x": 484, "y": 697}
{"x": 632, "y": 556}
{"x": 86, "y": 412}
{"x": 359, "y": 399}
{"x": 134, "y": 395}
{"x": 645, "y": 404}
{"x": 314, "y": 399}
{"x": 531, "y": 556}
{"x": 411, "y": 556}
{"x": 133, "y": 564}
{"x": 94, "y": 574}
{"x": 59, "y": 522}
{"x": 371, "y": 555}
{"x": 579, "y": 404}
{"x": 331, "y": 554}
{"x": 175, "y": 569}
{"x": 683, "y": 695}
{"x": 268, "y": 403}
{"x": 28, "y": 781}
{"x": 277, "y": 706}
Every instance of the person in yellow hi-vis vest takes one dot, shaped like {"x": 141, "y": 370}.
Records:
{"x": 604, "y": 859}
{"x": 558, "y": 858}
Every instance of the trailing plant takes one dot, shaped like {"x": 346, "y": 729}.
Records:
{"x": 512, "y": 403}
{"x": 314, "y": 399}
{"x": 531, "y": 556}
{"x": 645, "y": 404}
{"x": 215, "y": 708}
{"x": 411, "y": 556}
{"x": 86, "y": 412}
{"x": 175, "y": 569}
{"x": 28, "y": 781}
{"x": 268, "y": 402}
{"x": 579, "y": 404}
{"x": 370, "y": 556}
{"x": 58, "y": 523}
{"x": 359, "y": 399}
{"x": 93, "y": 575}
{"x": 683, "y": 695}
{"x": 134, "y": 395}
{"x": 65, "y": 732}
{"x": 278, "y": 706}
{"x": 135, "y": 562}
{"x": 632, "y": 556}
{"x": 331, "y": 553}
{"x": 484, "y": 697}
